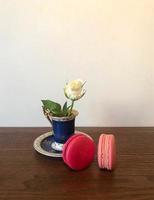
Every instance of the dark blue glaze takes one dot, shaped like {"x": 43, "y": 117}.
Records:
{"x": 63, "y": 130}
{"x": 46, "y": 144}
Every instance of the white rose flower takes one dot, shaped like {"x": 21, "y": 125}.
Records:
{"x": 74, "y": 89}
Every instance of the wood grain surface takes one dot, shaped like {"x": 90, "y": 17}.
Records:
{"x": 25, "y": 174}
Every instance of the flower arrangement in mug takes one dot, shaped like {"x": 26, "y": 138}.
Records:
{"x": 73, "y": 91}
{"x": 62, "y": 118}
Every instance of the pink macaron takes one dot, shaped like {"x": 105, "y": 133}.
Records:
{"x": 78, "y": 151}
{"x": 107, "y": 152}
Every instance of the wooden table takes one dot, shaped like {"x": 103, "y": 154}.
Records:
{"x": 25, "y": 174}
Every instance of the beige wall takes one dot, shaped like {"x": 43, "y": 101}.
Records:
{"x": 44, "y": 43}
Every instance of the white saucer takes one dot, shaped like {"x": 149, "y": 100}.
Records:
{"x": 43, "y": 145}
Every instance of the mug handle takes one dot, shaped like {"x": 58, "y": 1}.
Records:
{"x": 47, "y": 116}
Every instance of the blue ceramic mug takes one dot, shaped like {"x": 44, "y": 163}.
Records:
{"x": 63, "y": 128}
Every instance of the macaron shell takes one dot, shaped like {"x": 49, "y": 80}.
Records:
{"x": 67, "y": 143}
{"x": 99, "y": 154}
{"x": 112, "y": 153}
{"x": 79, "y": 152}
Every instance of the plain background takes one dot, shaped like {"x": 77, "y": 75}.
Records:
{"x": 109, "y": 43}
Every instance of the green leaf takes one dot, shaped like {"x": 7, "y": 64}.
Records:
{"x": 65, "y": 110}
{"x": 65, "y": 107}
{"x": 57, "y": 113}
{"x": 54, "y": 107}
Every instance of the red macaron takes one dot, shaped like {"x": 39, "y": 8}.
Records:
{"x": 78, "y": 151}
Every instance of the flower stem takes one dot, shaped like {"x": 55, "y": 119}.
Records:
{"x": 71, "y": 108}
